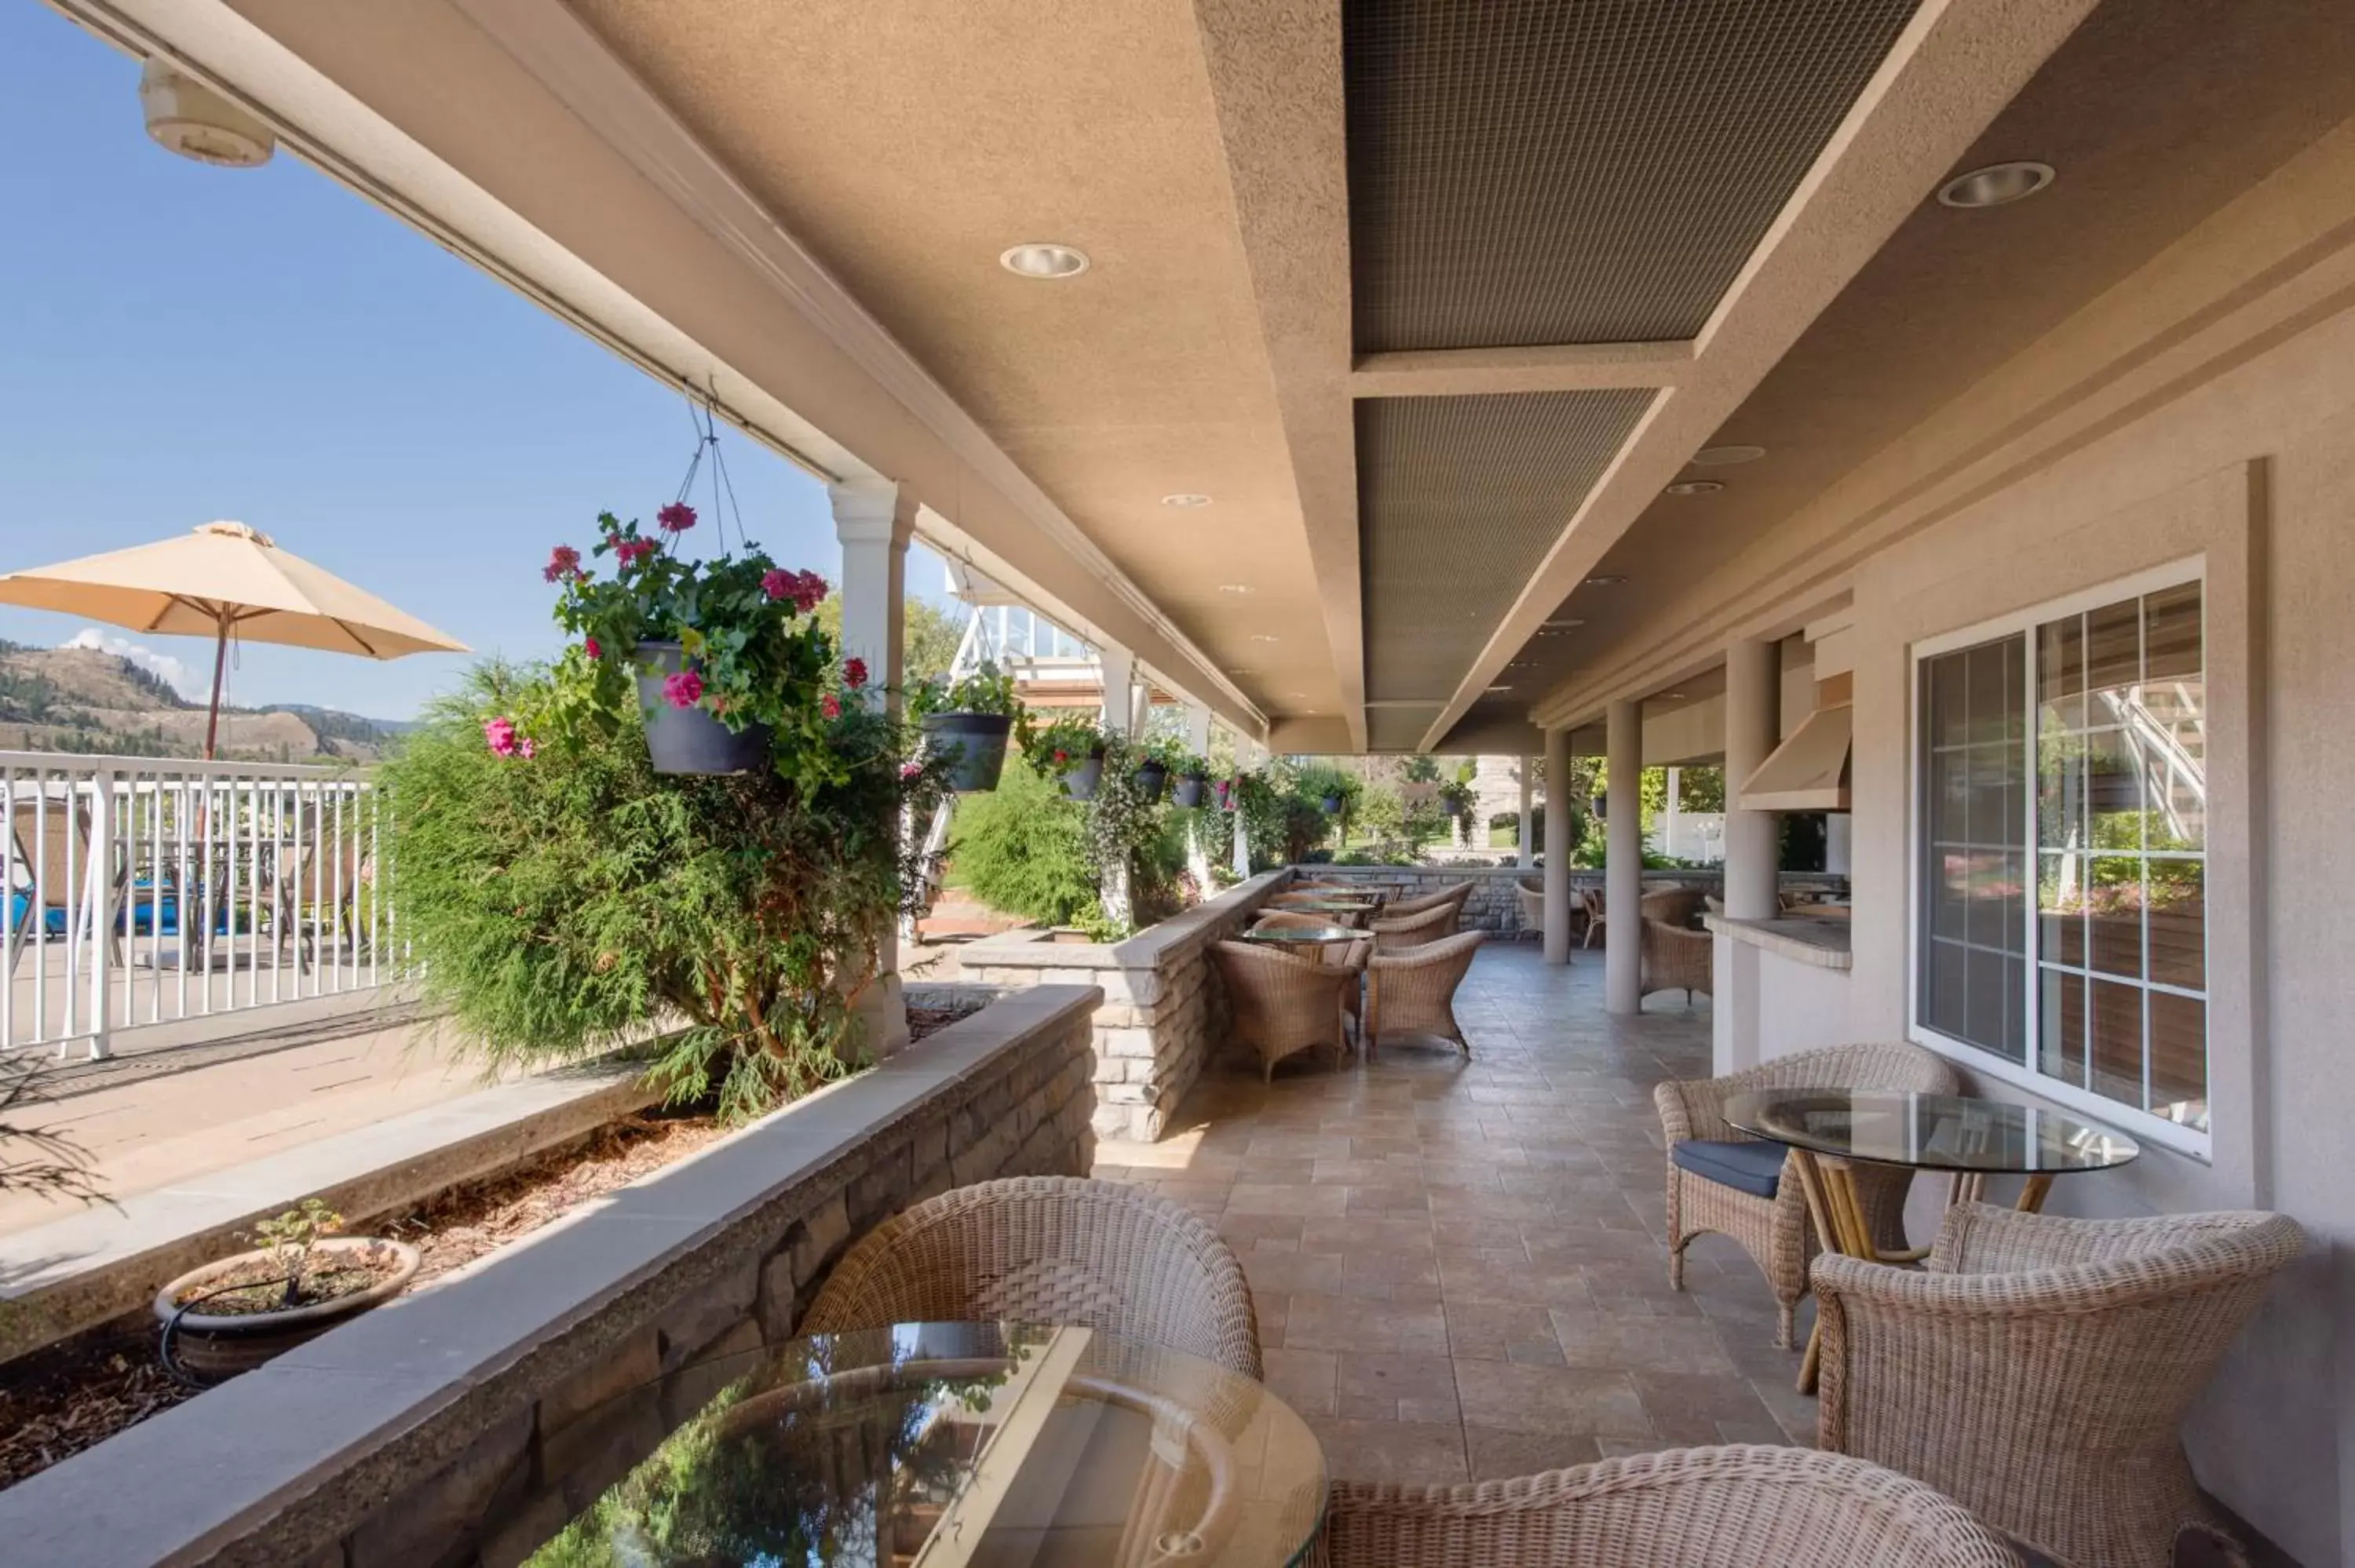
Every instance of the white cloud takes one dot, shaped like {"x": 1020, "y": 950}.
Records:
{"x": 183, "y": 679}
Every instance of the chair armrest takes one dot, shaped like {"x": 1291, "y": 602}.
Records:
{"x": 1693, "y": 1108}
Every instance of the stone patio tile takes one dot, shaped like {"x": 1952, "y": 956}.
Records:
{"x": 1517, "y": 1398}
{"x": 1409, "y": 1453}
{"x": 1325, "y": 1322}
{"x": 1497, "y": 1455}
{"x": 1377, "y": 1386}
{"x": 1304, "y": 1380}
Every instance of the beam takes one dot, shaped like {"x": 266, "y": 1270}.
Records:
{"x": 1558, "y": 367}
{"x": 1275, "y": 77}
{"x": 1956, "y": 67}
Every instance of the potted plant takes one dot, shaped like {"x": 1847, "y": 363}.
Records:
{"x": 968, "y": 722}
{"x": 1072, "y": 749}
{"x": 724, "y": 657}
{"x": 1159, "y": 759}
{"x": 1193, "y": 780}
{"x": 302, "y": 1280}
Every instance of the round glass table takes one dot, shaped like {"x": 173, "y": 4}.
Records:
{"x": 1830, "y": 1130}
{"x": 979, "y": 1445}
{"x": 1300, "y": 935}
{"x": 1341, "y": 909}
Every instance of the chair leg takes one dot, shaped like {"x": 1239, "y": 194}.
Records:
{"x": 1369, "y": 1026}
{"x": 1677, "y": 1263}
{"x": 1785, "y": 1324}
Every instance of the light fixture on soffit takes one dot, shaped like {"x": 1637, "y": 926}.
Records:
{"x": 1997, "y": 185}
{"x": 1043, "y": 258}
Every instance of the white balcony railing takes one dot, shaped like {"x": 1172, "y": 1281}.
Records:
{"x": 151, "y": 890}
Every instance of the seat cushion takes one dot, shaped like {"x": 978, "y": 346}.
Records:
{"x": 1752, "y": 1167}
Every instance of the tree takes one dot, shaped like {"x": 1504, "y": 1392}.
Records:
{"x": 928, "y": 643}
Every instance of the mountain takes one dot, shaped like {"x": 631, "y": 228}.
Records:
{"x": 83, "y": 701}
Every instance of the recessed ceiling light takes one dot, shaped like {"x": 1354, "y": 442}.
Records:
{"x": 1605, "y": 581}
{"x": 1695, "y": 487}
{"x": 1521, "y": 664}
{"x": 1726, "y": 457}
{"x": 1500, "y": 688}
{"x": 1564, "y": 623}
{"x": 1673, "y": 696}
{"x": 1044, "y": 259}
{"x": 1243, "y": 672}
{"x": 1235, "y": 587}
{"x": 1265, "y": 637}
{"x": 1185, "y": 498}
{"x": 1997, "y": 185}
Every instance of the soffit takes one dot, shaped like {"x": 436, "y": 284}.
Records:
{"x": 2155, "y": 112}
{"x": 1460, "y": 496}
{"x": 1528, "y": 171}
{"x": 907, "y": 145}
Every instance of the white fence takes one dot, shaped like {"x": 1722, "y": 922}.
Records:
{"x": 151, "y": 890}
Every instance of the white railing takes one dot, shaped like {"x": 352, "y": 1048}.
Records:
{"x": 143, "y": 890}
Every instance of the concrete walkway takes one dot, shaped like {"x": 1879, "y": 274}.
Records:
{"x": 1458, "y": 1266}
{"x": 157, "y": 1119}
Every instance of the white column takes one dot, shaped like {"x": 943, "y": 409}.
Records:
{"x": 1119, "y": 699}
{"x": 1119, "y": 720}
{"x": 1558, "y": 844}
{"x": 1753, "y": 703}
{"x": 1249, "y": 754}
{"x": 1622, "y": 864}
{"x": 1198, "y": 742}
{"x": 1528, "y": 842}
{"x": 1835, "y": 827}
{"x": 873, "y": 521}
{"x": 1668, "y": 824}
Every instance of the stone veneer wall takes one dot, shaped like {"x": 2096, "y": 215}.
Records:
{"x": 496, "y": 1393}
{"x": 1164, "y": 1011}
{"x": 1496, "y": 908}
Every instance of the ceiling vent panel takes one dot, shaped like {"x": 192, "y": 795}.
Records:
{"x": 1527, "y": 172}
{"x": 1459, "y": 500}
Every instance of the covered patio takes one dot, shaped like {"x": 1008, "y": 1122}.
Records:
{"x": 1458, "y": 1266}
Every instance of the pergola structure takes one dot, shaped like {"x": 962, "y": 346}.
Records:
{"x": 1939, "y": 410}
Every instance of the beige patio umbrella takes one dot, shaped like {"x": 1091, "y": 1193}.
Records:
{"x": 223, "y": 579}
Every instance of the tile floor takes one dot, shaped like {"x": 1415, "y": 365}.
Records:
{"x": 1458, "y": 1267}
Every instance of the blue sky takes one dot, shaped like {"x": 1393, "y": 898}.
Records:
{"x": 180, "y": 343}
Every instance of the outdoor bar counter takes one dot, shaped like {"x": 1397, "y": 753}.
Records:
{"x": 1782, "y": 986}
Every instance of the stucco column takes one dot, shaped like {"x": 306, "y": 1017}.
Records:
{"x": 1119, "y": 718}
{"x": 1528, "y": 842}
{"x": 1559, "y": 844}
{"x": 1836, "y": 841}
{"x": 873, "y": 521}
{"x": 1198, "y": 742}
{"x": 1248, "y": 754}
{"x": 1623, "y": 861}
{"x": 1753, "y": 711}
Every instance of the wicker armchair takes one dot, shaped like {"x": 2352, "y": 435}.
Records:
{"x": 1672, "y": 906}
{"x": 1678, "y": 960}
{"x": 1393, "y": 933}
{"x": 1415, "y": 990}
{"x": 1590, "y": 903}
{"x": 2040, "y": 1368}
{"x": 1351, "y": 955}
{"x": 1743, "y": 1507}
{"x": 1049, "y": 1249}
{"x": 1283, "y": 1004}
{"x": 1736, "y": 1186}
{"x": 1532, "y": 905}
{"x": 1452, "y": 896}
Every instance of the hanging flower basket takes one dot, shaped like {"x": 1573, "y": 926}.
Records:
{"x": 1332, "y": 804}
{"x": 1189, "y": 790}
{"x": 691, "y": 739}
{"x": 975, "y": 745}
{"x": 1081, "y": 778}
{"x": 1151, "y": 779}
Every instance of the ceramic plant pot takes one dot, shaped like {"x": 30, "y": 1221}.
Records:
{"x": 691, "y": 740}
{"x": 976, "y": 746}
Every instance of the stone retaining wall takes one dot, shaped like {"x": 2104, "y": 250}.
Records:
{"x": 1496, "y": 908}
{"x": 1164, "y": 1011}
{"x": 492, "y": 1393}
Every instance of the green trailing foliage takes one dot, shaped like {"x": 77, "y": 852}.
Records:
{"x": 562, "y": 899}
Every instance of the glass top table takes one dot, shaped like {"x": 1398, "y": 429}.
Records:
{"x": 982, "y": 1445}
{"x": 1930, "y": 1132}
{"x": 1301, "y": 936}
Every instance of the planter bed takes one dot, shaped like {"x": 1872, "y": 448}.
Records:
{"x": 81, "y": 1391}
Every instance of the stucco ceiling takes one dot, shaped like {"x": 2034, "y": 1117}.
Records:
{"x": 2155, "y": 113}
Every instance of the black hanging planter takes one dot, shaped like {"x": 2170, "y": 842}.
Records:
{"x": 1080, "y": 782}
{"x": 1190, "y": 791}
{"x": 691, "y": 740}
{"x": 975, "y": 745}
{"x": 1332, "y": 805}
{"x": 1151, "y": 777}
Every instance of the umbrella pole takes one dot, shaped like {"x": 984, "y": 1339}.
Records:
{"x": 220, "y": 657}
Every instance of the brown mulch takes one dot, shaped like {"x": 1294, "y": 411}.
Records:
{"x": 82, "y": 1390}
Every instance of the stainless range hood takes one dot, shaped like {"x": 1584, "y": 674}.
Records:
{"x": 1808, "y": 772}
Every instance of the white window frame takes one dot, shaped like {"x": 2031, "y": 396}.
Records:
{"x": 2023, "y": 623}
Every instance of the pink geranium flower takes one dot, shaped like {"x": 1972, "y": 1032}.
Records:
{"x": 777, "y": 583}
{"x": 530, "y": 747}
{"x": 830, "y": 705}
{"x": 630, "y": 552}
{"x": 854, "y": 673}
{"x": 563, "y": 561}
{"x": 589, "y": 646}
{"x": 499, "y": 735}
{"x": 909, "y": 770}
{"x": 683, "y": 690}
{"x": 675, "y": 518}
